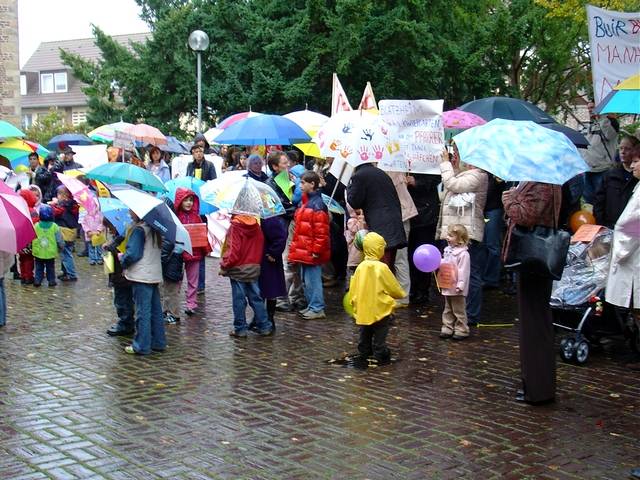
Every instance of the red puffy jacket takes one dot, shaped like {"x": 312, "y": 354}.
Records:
{"x": 310, "y": 244}
{"x": 192, "y": 216}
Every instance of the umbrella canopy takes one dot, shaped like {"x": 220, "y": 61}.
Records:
{"x": 242, "y": 195}
{"x": 461, "y": 120}
{"x": 79, "y": 191}
{"x": 212, "y": 133}
{"x": 506, "y": 108}
{"x": 16, "y": 226}
{"x": 236, "y": 117}
{"x": 263, "y": 130}
{"x": 578, "y": 139}
{"x": 332, "y": 204}
{"x": 310, "y": 122}
{"x": 106, "y": 133}
{"x": 355, "y": 136}
{"x": 174, "y": 146}
{"x": 624, "y": 98}
{"x": 59, "y": 142}
{"x": 8, "y": 130}
{"x": 520, "y": 151}
{"x": 193, "y": 184}
{"x": 17, "y": 151}
{"x": 116, "y": 212}
{"x": 122, "y": 173}
{"x": 155, "y": 213}
{"x": 146, "y": 134}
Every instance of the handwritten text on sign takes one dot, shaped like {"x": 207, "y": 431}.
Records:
{"x": 615, "y": 48}
{"x": 417, "y": 126}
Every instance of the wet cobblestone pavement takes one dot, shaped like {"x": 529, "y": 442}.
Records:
{"x": 74, "y": 405}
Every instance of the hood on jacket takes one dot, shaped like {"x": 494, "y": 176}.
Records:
{"x": 373, "y": 246}
{"x": 29, "y": 197}
{"x": 181, "y": 194}
{"x": 297, "y": 170}
{"x": 199, "y": 137}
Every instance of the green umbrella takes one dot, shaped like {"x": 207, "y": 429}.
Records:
{"x": 8, "y": 130}
{"x": 122, "y": 173}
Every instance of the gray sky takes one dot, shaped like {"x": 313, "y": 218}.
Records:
{"x": 49, "y": 20}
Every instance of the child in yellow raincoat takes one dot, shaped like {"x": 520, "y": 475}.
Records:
{"x": 373, "y": 291}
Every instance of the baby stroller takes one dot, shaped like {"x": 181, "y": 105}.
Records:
{"x": 577, "y": 301}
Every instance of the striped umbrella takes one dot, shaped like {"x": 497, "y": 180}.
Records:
{"x": 146, "y": 134}
{"x": 17, "y": 151}
{"x": 106, "y": 133}
{"x": 16, "y": 226}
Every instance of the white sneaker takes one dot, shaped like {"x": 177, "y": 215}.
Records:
{"x": 309, "y": 315}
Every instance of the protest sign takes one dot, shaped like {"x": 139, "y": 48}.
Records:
{"x": 417, "y": 133}
{"x": 614, "y": 38}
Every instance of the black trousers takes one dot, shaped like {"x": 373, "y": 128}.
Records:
{"x": 373, "y": 340}
{"x": 537, "y": 349}
{"x": 420, "y": 281}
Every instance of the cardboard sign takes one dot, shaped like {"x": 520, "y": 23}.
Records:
{"x": 198, "y": 234}
{"x": 615, "y": 52}
{"x": 447, "y": 275}
{"x": 586, "y": 233}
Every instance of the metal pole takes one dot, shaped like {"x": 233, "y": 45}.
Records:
{"x": 199, "y": 97}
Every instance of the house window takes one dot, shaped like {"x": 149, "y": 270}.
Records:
{"x": 23, "y": 84}
{"x": 78, "y": 117}
{"x": 60, "y": 82}
{"x": 46, "y": 83}
{"x": 27, "y": 120}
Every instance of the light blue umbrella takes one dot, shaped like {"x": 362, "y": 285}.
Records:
{"x": 123, "y": 173}
{"x": 620, "y": 101}
{"x": 517, "y": 151}
{"x": 116, "y": 212}
{"x": 263, "y": 130}
{"x": 192, "y": 184}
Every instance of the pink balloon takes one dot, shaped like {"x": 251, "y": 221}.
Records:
{"x": 426, "y": 258}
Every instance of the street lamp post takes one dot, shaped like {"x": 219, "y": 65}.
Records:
{"x": 199, "y": 42}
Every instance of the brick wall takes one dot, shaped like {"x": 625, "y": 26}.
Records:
{"x": 9, "y": 62}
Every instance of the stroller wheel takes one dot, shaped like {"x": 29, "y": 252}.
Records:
{"x": 566, "y": 349}
{"x": 582, "y": 352}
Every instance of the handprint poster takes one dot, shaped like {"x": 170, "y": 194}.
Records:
{"x": 417, "y": 135}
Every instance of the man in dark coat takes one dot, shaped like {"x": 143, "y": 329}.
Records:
{"x": 200, "y": 168}
{"x": 372, "y": 190}
{"x": 68, "y": 162}
{"x": 423, "y": 189}
{"x": 201, "y": 140}
{"x": 617, "y": 187}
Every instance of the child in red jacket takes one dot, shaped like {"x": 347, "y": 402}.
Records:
{"x": 241, "y": 257}
{"x": 187, "y": 208}
{"x": 26, "y": 255}
{"x": 310, "y": 246}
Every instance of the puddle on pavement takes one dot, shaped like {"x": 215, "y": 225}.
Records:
{"x": 354, "y": 361}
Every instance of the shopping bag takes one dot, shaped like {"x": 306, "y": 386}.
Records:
{"x": 68, "y": 234}
{"x": 447, "y": 275}
{"x": 198, "y": 234}
{"x": 108, "y": 263}
{"x": 98, "y": 239}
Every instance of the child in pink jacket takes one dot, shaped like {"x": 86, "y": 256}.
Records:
{"x": 454, "y": 316}
{"x": 354, "y": 224}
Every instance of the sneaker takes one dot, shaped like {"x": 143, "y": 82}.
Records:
{"x": 445, "y": 335}
{"x": 300, "y": 305}
{"x": 190, "y": 311}
{"x": 67, "y": 278}
{"x": 265, "y": 333}
{"x": 114, "y": 331}
{"x": 311, "y": 315}
{"x": 200, "y": 291}
{"x": 304, "y": 311}
{"x": 458, "y": 337}
{"x": 99, "y": 262}
{"x": 284, "y": 307}
{"x": 52, "y": 284}
{"x": 253, "y": 326}
{"x": 239, "y": 334}
{"x": 170, "y": 319}
{"x": 402, "y": 304}
{"x": 129, "y": 349}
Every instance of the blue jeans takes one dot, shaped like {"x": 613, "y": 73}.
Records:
{"x": 149, "y": 319}
{"x": 42, "y": 265}
{"x": 68, "y": 267}
{"x": 312, "y": 280}
{"x": 477, "y": 255}
{"x": 493, "y": 244}
{"x": 201, "y": 274}
{"x": 123, "y": 301}
{"x": 94, "y": 253}
{"x": 240, "y": 293}
{"x": 3, "y": 304}
{"x": 592, "y": 183}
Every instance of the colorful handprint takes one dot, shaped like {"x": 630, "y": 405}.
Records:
{"x": 378, "y": 150}
{"x": 364, "y": 153}
{"x": 346, "y": 151}
{"x": 367, "y": 135}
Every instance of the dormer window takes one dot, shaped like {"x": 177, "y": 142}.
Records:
{"x": 53, "y": 82}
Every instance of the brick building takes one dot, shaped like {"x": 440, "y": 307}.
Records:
{"x": 9, "y": 62}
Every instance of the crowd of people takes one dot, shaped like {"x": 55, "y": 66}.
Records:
{"x": 284, "y": 263}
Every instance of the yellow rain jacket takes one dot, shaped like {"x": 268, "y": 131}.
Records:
{"x": 373, "y": 287}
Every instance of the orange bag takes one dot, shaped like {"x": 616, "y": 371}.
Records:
{"x": 198, "y": 234}
{"x": 447, "y": 275}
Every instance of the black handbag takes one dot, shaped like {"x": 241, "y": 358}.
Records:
{"x": 540, "y": 251}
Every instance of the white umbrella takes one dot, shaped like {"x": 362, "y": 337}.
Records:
{"x": 155, "y": 213}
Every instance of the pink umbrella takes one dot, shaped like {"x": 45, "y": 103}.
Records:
{"x": 459, "y": 119}
{"x": 79, "y": 191}
{"x": 16, "y": 226}
{"x": 146, "y": 134}
{"x": 236, "y": 117}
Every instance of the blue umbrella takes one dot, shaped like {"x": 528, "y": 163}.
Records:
{"x": 192, "y": 184}
{"x": 263, "y": 130}
{"x": 520, "y": 151}
{"x": 116, "y": 212}
{"x": 173, "y": 146}
{"x": 122, "y": 173}
{"x": 620, "y": 101}
{"x": 332, "y": 204}
{"x": 60, "y": 141}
